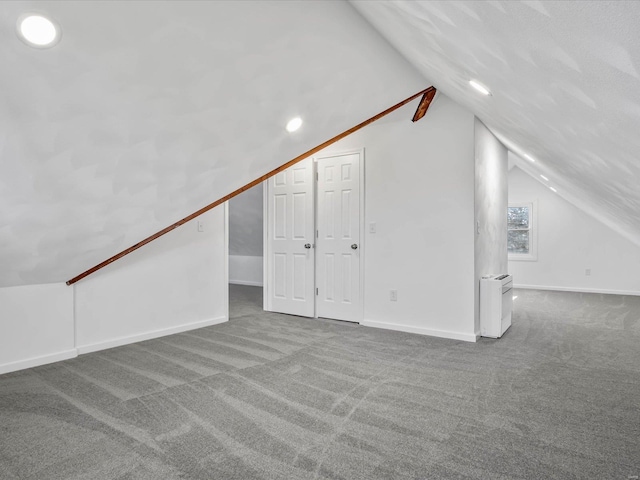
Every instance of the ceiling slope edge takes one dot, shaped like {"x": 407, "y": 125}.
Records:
{"x": 563, "y": 86}
{"x": 577, "y": 200}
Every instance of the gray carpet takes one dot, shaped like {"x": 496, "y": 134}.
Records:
{"x": 269, "y": 396}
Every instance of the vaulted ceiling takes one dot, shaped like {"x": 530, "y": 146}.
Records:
{"x": 565, "y": 83}
{"x": 146, "y": 111}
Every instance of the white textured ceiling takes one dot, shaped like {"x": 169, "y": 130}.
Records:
{"x": 147, "y": 111}
{"x": 565, "y": 81}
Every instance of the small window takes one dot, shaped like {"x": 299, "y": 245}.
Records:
{"x": 521, "y": 238}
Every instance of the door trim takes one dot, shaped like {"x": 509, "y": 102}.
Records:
{"x": 361, "y": 214}
{"x": 266, "y": 285}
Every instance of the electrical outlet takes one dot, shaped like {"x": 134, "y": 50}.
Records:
{"x": 393, "y": 295}
{"x": 587, "y": 272}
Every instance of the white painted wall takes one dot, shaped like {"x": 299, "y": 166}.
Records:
{"x": 176, "y": 283}
{"x": 183, "y": 103}
{"x": 245, "y": 223}
{"x": 419, "y": 190}
{"x": 569, "y": 242}
{"x": 491, "y": 198}
{"x": 36, "y": 325}
{"x": 245, "y": 237}
{"x": 246, "y": 270}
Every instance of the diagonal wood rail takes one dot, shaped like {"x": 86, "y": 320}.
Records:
{"x": 431, "y": 91}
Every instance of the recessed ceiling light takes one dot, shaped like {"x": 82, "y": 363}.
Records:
{"x": 38, "y": 31}
{"x": 553, "y": 189}
{"x": 479, "y": 87}
{"x": 294, "y": 124}
{"x": 529, "y": 157}
{"x": 544, "y": 178}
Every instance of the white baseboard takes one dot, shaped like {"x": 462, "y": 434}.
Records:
{"x": 245, "y": 282}
{"x": 467, "y": 337}
{"x": 246, "y": 270}
{"x": 578, "y": 290}
{"x": 118, "y": 342}
{"x": 37, "y": 361}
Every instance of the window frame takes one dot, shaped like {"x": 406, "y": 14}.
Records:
{"x": 532, "y": 256}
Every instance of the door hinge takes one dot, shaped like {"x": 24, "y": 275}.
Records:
{"x": 316, "y": 290}
{"x": 316, "y": 176}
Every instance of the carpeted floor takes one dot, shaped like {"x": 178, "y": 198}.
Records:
{"x": 269, "y": 396}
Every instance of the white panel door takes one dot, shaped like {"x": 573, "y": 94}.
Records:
{"x": 338, "y": 242}
{"x": 290, "y": 238}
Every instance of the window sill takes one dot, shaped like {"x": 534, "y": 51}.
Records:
{"x": 514, "y": 257}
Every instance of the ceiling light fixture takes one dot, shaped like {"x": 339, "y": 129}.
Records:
{"x": 38, "y": 31}
{"x": 529, "y": 157}
{"x": 553, "y": 189}
{"x": 544, "y": 178}
{"x": 294, "y": 124}
{"x": 479, "y": 87}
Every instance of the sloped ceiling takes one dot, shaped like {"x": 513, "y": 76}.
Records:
{"x": 147, "y": 111}
{"x": 565, "y": 81}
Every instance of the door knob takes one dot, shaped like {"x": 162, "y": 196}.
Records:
{"x": 354, "y": 246}
{"x": 307, "y": 245}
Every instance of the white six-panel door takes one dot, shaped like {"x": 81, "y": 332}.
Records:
{"x": 338, "y": 237}
{"x": 290, "y": 238}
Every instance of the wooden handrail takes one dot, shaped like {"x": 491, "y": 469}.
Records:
{"x": 257, "y": 181}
